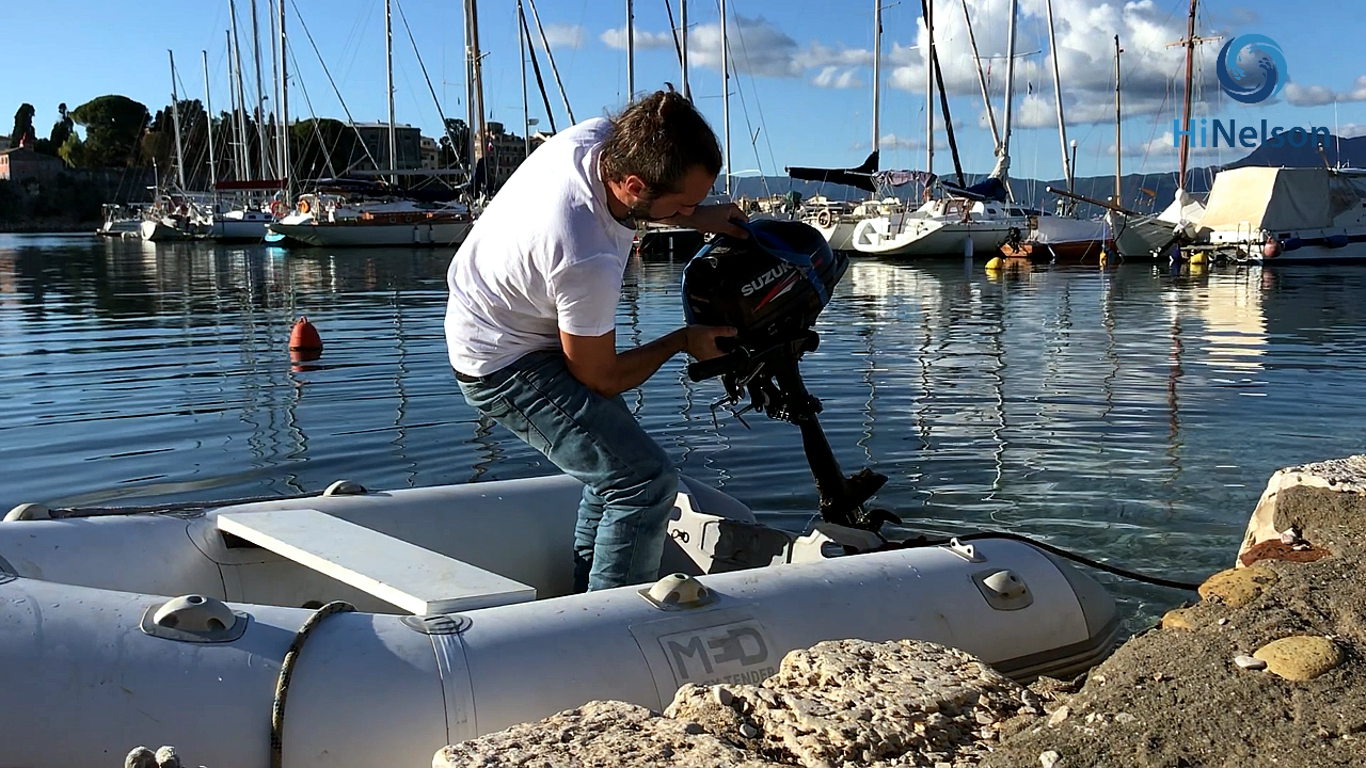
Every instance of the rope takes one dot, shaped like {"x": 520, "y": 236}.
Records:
{"x": 1155, "y": 580}
{"x": 277, "y": 707}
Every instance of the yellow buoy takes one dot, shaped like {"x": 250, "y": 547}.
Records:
{"x": 995, "y": 264}
{"x": 1103, "y": 257}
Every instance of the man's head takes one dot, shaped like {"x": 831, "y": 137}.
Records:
{"x": 662, "y": 158}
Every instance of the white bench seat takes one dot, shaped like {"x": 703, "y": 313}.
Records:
{"x": 417, "y": 580}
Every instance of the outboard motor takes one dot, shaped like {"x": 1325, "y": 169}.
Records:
{"x": 771, "y": 287}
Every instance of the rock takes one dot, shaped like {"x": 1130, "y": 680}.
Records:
{"x": 748, "y": 731}
{"x": 167, "y": 758}
{"x": 863, "y": 703}
{"x": 1049, "y": 759}
{"x": 1124, "y": 718}
{"x": 722, "y": 695}
{"x": 1324, "y": 501}
{"x": 140, "y": 757}
{"x": 1060, "y": 714}
{"x": 1176, "y": 618}
{"x": 605, "y": 733}
{"x": 1302, "y": 657}
{"x": 1237, "y": 587}
{"x": 1249, "y": 662}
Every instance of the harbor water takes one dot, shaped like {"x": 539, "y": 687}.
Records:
{"x": 1131, "y": 415}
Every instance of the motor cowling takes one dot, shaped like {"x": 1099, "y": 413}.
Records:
{"x": 771, "y": 287}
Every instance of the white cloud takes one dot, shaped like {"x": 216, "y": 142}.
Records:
{"x": 1358, "y": 92}
{"x": 1308, "y": 95}
{"x": 1318, "y": 95}
{"x": 616, "y": 38}
{"x": 1085, "y": 35}
{"x": 1162, "y": 147}
{"x": 757, "y": 47}
{"x": 818, "y": 55}
{"x": 564, "y": 35}
{"x": 834, "y": 77}
{"x": 1351, "y": 130}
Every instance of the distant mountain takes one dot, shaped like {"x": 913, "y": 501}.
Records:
{"x": 1339, "y": 152}
{"x": 1143, "y": 192}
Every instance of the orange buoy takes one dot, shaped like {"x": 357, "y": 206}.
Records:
{"x": 304, "y": 342}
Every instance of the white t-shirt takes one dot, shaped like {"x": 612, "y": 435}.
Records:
{"x": 544, "y": 256}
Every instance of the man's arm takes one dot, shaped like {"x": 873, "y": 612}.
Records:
{"x": 594, "y": 360}
{"x": 713, "y": 218}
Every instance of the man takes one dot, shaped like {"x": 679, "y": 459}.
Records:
{"x": 531, "y": 316}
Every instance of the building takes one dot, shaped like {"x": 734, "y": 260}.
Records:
{"x": 23, "y": 165}
{"x": 506, "y": 151}
{"x": 431, "y": 154}
{"x": 375, "y": 136}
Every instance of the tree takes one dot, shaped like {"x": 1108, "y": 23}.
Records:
{"x": 112, "y": 126}
{"x": 62, "y": 128}
{"x": 23, "y": 135}
{"x": 457, "y": 156}
{"x": 72, "y": 151}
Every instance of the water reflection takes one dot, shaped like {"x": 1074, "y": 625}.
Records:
{"x": 1132, "y": 414}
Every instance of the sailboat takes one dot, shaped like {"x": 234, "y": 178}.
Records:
{"x": 965, "y": 219}
{"x": 175, "y": 214}
{"x": 1145, "y": 236}
{"x": 348, "y": 213}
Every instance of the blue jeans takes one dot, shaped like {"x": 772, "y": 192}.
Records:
{"x": 630, "y": 484}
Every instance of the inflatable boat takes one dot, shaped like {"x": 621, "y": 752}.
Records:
{"x": 220, "y": 630}
{"x": 354, "y": 629}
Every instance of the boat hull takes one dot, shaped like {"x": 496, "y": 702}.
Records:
{"x": 373, "y": 687}
{"x": 931, "y": 239}
{"x": 348, "y": 235}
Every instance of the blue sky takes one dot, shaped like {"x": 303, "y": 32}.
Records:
{"x": 803, "y": 79}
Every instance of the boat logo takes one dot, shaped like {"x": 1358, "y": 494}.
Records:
{"x": 762, "y": 281}
{"x": 1246, "y": 86}
{"x": 729, "y": 653}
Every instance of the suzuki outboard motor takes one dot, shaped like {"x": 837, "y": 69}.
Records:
{"x": 771, "y": 287}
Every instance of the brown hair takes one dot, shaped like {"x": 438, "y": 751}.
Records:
{"x": 659, "y": 138}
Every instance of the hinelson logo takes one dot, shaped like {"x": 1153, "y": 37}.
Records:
{"x": 1268, "y": 73}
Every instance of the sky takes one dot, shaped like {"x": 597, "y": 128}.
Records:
{"x": 800, "y": 86}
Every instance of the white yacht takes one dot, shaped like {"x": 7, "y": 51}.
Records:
{"x": 1287, "y": 215}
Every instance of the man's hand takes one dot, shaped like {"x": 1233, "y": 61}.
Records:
{"x": 700, "y": 341}
{"x": 714, "y": 218}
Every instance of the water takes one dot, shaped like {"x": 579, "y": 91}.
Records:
{"x": 1132, "y": 416}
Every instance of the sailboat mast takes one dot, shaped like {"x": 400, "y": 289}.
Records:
{"x": 235, "y": 58}
{"x": 521, "y": 50}
{"x": 877, "y": 71}
{"x": 389, "y": 90}
{"x": 725, "y": 94}
{"x": 554, "y": 70}
{"x": 1186, "y": 101}
{"x": 982, "y": 80}
{"x": 175, "y": 121}
{"x": 1119, "y": 146}
{"x": 233, "y": 140}
{"x": 630, "y": 50}
{"x": 1057, "y": 97}
{"x": 1010, "y": 79}
{"x": 208, "y": 113}
{"x": 683, "y": 46}
{"x": 274, "y": 86}
{"x": 285, "y": 170}
{"x": 477, "y": 75}
{"x": 929, "y": 88}
{"x": 259, "y": 110}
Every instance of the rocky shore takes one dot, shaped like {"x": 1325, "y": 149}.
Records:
{"x": 1265, "y": 668}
